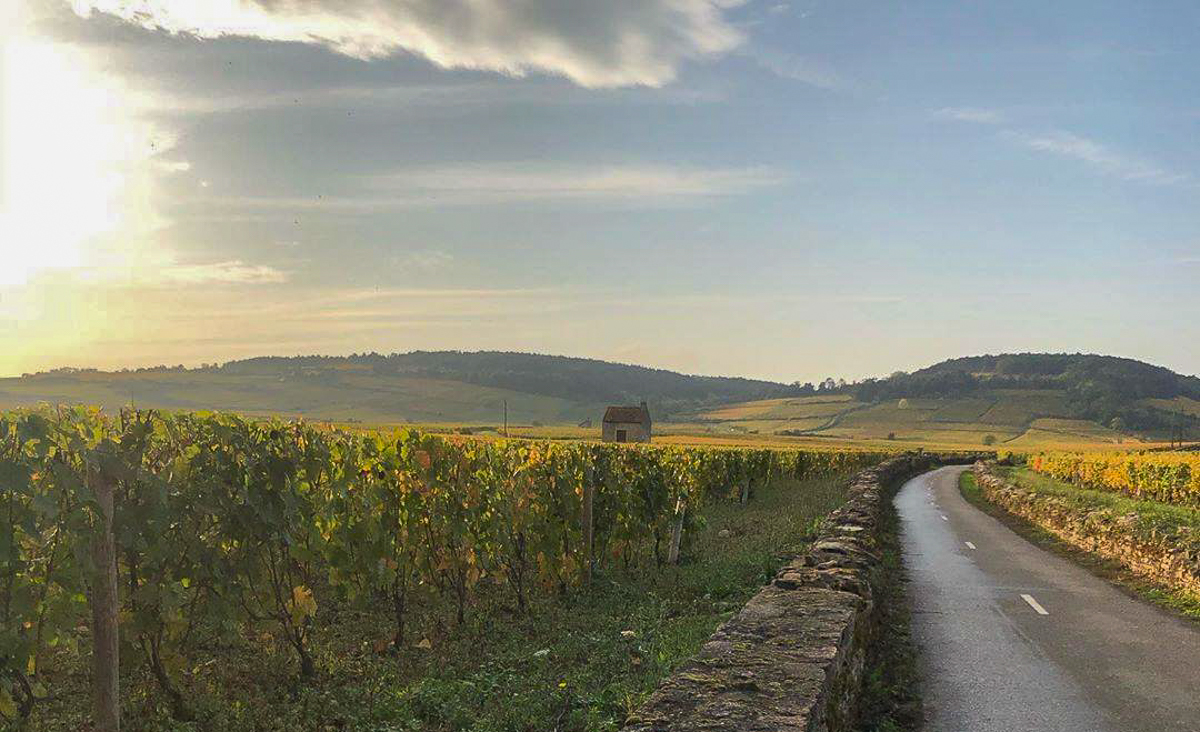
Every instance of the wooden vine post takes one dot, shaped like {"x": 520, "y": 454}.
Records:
{"x": 676, "y": 532}
{"x": 106, "y": 709}
{"x": 589, "y": 499}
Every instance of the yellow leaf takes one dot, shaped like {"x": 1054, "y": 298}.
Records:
{"x": 303, "y": 603}
{"x": 8, "y": 707}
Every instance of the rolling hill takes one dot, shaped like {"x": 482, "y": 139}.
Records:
{"x": 426, "y": 387}
{"x": 1018, "y": 400}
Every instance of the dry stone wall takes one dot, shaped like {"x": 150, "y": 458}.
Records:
{"x": 1171, "y": 559}
{"x": 793, "y": 658}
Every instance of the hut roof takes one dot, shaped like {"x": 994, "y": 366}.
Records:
{"x": 638, "y": 415}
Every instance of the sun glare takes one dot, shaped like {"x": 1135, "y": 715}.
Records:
{"x": 71, "y": 151}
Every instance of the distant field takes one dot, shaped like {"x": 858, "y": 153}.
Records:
{"x": 1179, "y": 404}
{"x": 1009, "y": 418}
{"x": 341, "y": 395}
{"x": 780, "y": 409}
{"x": 349, "y": 395}
{"x": 1019, "y": 407}
{"x": 1047, "y": 432}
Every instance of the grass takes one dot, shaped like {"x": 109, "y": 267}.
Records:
{"x": 337, "y": 395}
{"x": 1180, "y": 404}
{"x": 1048, "y": 432}
{"x": 1150, "y": 515}
{"x": 1020, "y": 419}
{"x": 579, "y": 663}
{"x": 782, "y": 409}
{"x": 891, "y": 700}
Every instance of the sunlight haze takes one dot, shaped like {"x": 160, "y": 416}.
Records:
{"x": 769, "y": 189}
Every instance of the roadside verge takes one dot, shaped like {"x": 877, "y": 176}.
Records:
{"x": 1170, "y": 558}
{"x": 794, "y": 657}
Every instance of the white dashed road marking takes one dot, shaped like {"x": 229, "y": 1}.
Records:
{"x": 970, "y": 545}
{"x": 1034, "y": 604}
{"x": 945, "y": 519}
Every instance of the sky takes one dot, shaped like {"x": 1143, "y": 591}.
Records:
{"x": 777, "y": 189}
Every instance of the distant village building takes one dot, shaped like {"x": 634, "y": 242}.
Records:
{"x": 626, "y": 424}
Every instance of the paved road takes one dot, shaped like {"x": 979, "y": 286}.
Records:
{"x": 1097, "y": 660}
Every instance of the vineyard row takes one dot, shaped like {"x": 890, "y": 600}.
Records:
{"x": 162, "y": 527}
{"x": 1165, "y": 477}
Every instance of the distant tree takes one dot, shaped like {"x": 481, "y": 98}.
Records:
{"x": 891, "y": 435}
{"x": 989, "y": 439}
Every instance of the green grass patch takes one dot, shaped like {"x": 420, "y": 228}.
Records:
{"x": 891, "y": 700}
{"x": 1150, "y": 514}
{"x": 581, "y": 662}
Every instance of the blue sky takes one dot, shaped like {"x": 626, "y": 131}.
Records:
{"x": 780, "y": 189}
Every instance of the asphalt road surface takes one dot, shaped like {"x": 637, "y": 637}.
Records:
{"x": 1015, "y": 638}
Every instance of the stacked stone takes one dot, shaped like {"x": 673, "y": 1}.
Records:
{"x": 793, "y": 658}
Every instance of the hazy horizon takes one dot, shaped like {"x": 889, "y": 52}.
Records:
{"x": 777, "y": 190}
{"x": 834, "y": 376}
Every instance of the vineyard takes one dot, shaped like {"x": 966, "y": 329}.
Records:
{"x": 1165, "y": 477}
{"x": 140, "y": 536}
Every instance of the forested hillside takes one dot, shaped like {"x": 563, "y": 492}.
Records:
{"x": 1120, "y": 393}
{"x": 426, "y": 387}
{"x": 576, "y": 379}
{"x": 1006, "y": 398}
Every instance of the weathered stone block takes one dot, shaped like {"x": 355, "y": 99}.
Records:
{"x": 793, "y": 658}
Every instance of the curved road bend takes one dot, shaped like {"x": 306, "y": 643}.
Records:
{"x": 1013, "y": 638}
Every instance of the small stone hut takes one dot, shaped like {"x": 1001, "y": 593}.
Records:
{"x": 626, "y": 424}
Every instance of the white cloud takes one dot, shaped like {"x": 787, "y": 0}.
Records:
{"x": 409, "y": 99}
{"x": 150, "y": 269}
{"x": 630, "y": 185}
{"x": 1126, "y": 167}
{"x": 423, "y": 260}
{"x": 503, "y": 183}
{"x": 233, "y": 272}
{"x": 596, "y": 43}
{"x": 797, "y": 68}
{"x": 969, "y": 114}
{"x": 173, "y": 166}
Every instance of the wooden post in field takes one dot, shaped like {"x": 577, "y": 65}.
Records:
{"x": 676, "y": 532}
{"x": 106, "y": 709}
{"x": 745, "y": 491}
{"x": 589, "y": 498}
